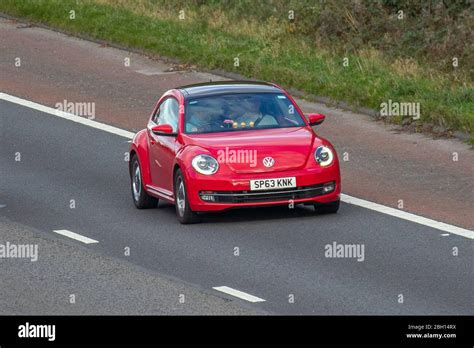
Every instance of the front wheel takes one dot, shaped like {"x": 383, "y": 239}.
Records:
{"x": 141, "y": 199}
{"x": 327, "y": 208}
{"x": 183, "y": 210}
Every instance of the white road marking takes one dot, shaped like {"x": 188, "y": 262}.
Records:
{"x": 445, "y": 234}
{"x": 408, "y": 216}
{"x": 3, "y": 205}
{"x": 345, "y": 198}
{"x": 67, "y": 116}
{"x": 240, "y": 294}
{"x": 76, "y": 236}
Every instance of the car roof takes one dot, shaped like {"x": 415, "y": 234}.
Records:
{"x": 226, "y": 87}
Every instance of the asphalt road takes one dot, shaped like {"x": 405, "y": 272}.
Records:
{"x": 281, "y": 251}
{"x": 100, "y": 284}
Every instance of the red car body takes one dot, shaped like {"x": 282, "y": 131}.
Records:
{"x": 160, "y": 154}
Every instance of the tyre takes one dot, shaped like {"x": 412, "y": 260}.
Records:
{"x": 183, "y": 210}
{"x": 141, "y": 199}
{"x": 327, "y": 208}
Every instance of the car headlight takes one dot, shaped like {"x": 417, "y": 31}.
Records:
{"x": 205, "y": 164}
{"x": 323, "y": 155}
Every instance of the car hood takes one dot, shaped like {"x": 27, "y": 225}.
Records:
{"x": 245, "y": 151}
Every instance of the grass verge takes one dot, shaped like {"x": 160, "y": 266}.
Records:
{"x": 368, "y": 80}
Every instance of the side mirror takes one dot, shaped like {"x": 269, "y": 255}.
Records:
{"x": 162, "y": 129}
{"x": 315, "y": 119}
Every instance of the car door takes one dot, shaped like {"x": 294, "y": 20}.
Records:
{"x": 163, "y": 147}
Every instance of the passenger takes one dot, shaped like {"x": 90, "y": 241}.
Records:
{"x": 254, "y": 115}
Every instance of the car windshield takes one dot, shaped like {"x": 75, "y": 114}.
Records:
{"x": 237, "y": 112}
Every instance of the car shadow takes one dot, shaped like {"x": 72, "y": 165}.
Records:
{"x": 250, "y": 214}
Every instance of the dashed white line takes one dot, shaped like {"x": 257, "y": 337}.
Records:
{"x": 240, "y": 294}
{"x": 76, "y": 236}
{"x": 408, "y": 216}
{"x": 345, "y": 198}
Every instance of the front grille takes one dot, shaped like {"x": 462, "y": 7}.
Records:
{"x": 300, "y": 192}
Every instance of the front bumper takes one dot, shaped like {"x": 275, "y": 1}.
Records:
{"x": 230, "y": 190}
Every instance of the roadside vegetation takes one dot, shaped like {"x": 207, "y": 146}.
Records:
{"x": 361, "y": 52}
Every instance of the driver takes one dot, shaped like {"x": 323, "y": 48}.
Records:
{"x": 196, "y": 121}
{"x": 201, "y": 121}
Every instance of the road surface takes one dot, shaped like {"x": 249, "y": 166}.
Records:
{"x": 281, "y": 253}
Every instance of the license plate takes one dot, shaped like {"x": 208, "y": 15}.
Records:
{"x": 272, "y": 184}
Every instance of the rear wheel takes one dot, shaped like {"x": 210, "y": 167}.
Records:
{"x": 141, "y": 199}
{"x": 327, "y": 208}
{"x": 183, "y": 210}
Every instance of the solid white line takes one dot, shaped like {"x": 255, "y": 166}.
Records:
{"x": 67, "y": 116}
{"x": 76, "y": 236}
{"x": 345, "y": 198}
{"x": 240, "y": 294}
{"x": 408, "y": 216}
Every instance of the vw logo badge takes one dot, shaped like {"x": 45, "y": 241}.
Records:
{"x": 268, "y": 162}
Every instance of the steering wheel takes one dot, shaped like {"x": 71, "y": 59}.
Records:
{"x": 215, "y": 123}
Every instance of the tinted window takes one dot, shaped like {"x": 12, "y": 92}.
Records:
{"x": 237, "y": 112}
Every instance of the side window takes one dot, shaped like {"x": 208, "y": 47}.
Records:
{"x": 155, "y": 116}
{"x": 168, "y": 113}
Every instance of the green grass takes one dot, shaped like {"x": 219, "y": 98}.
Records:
{"x": 368, "y": 81}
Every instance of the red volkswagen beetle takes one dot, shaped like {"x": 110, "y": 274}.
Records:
{"x": 220, "y": 145}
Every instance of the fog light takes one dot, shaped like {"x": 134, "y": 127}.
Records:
{"x": 328, "y": 187}
{"x": 208, "y": 196}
